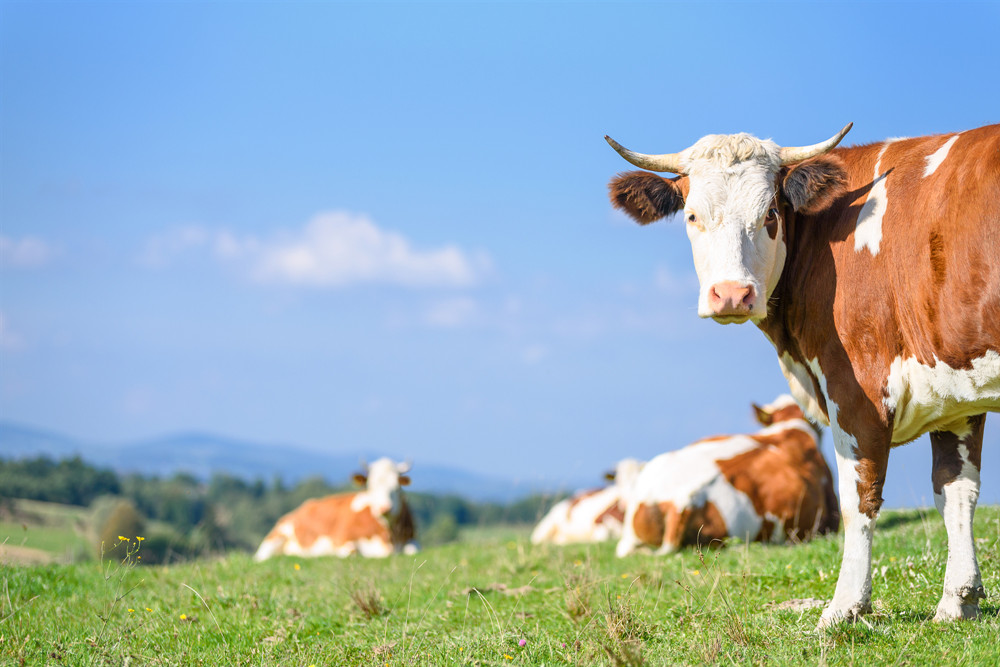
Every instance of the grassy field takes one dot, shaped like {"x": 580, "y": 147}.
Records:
{"x": 496, "y": 600}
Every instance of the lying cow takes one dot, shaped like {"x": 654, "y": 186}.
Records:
{"x": 590, "y": 516}
{"x": 770, "y": 486}
{"x": 374, "y": 523}
{"x": 875, "y": 273}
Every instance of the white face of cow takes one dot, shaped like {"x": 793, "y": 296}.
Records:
{"x": 733, "y": 223}
{"x": 382, "y": 481}
{"x": 731, "y": 191}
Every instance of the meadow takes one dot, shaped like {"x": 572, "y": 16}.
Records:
{"x": 492, "y": 598}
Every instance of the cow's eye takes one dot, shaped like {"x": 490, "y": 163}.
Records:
{"x": 772, "y": 215}
{"x": 692, "y": 218}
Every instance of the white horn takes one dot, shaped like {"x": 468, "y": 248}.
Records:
{"x": 799, "y": 153}
{"x": 403, "y": 468}
{"x": 665, "y": 162}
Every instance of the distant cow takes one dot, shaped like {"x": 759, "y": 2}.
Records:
{"x": 373, "y": 523}
{"x": 875, "y": 273}
{"x": 769, "y": 486}
{"x": 590, "y": 516}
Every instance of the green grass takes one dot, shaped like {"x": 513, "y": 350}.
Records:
{"x": 473, "y": 602}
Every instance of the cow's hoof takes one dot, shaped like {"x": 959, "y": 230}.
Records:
{"x": 961, "y": 606}
{"x": 832, "y": 617}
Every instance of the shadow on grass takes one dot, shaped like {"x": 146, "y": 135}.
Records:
{"x": 903, "y": 517}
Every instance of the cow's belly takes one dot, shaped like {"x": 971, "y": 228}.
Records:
{"x": 940, "y": 398}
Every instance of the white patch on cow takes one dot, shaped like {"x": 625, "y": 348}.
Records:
{"x": 957, "y": 505}
{"x": 868, "y": 229}
{"x": 374, "y": 547}
{"x": 939, "y": 398}
{"x": 689, "y": 477}
{"x": 854, "y": 584}
{"x": 800, "y": 383}
{"x": 935, "y": 159}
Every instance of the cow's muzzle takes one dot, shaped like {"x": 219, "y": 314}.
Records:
{"x": 731, "y": 302}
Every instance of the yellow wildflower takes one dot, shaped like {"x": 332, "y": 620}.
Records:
{"x": 184, "y": 617}
{"x": 123, "y": 538}
{"x": 296, "y": 566}
{"x": 139, "y": 538}
{"x": 131, "y": 611}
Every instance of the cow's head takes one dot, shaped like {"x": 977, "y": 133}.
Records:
{"x": 735, "y": 191}
{"x": 382, "y": 480}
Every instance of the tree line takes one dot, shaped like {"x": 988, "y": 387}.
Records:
{"x": 182, "y": 516}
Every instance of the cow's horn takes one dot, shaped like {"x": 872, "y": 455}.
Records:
{"x": 798, "y": 153}
{"x": 403, "y": 468}
{"x": 364, "y": 464}
{"x": 666, "y": 162}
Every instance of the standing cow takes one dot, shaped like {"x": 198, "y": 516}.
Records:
{"x": 590, "y": 516}
{"x": 768, "y": 486}
{"x": 374, "y": 523}
{"x": 874, "y": 271}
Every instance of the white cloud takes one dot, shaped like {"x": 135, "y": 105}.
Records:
{"x": 334, "y": 249}
{"x": 28, "y": 252}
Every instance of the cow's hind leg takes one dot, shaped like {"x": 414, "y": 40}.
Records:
{"x": 956, "y": 489}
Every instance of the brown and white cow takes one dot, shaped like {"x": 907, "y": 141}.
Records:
{"x": 875, "y": 272}
{"x": 374, "y": 523}
{"x": 590, "y": 516}
{"x": 767, "y": 486}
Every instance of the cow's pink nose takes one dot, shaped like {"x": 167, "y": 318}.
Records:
{"x": 730, "y": 298}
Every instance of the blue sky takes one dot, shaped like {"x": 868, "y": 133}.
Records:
{"x": 384, "y": 226}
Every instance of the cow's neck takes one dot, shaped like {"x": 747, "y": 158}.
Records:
{"x": 795, "y": 317}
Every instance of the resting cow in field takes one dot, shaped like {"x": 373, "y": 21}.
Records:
{"x": 374, "y": 523}
{"x": 768, "y": 486}
{"x": 875, "y": 272}
{"x": 590, "y": 516}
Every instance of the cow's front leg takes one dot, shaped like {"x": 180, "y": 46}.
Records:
{"x": 956, "y": 489}
{"x": 860, "y": 483}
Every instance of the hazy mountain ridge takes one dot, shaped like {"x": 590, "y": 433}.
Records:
{"x": 203, "y": 454}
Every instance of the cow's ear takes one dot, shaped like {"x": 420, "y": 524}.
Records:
{"x": 360, "y": 479}
{"x": 610, "y": 475}
{"x": 813, "y": 185}
{"x": 763, "y": 416}
{"x": 647, "y": 197}
{"x": 404, "y": 480}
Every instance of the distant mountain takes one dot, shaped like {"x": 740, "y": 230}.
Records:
{"x": 202, "y": 455}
